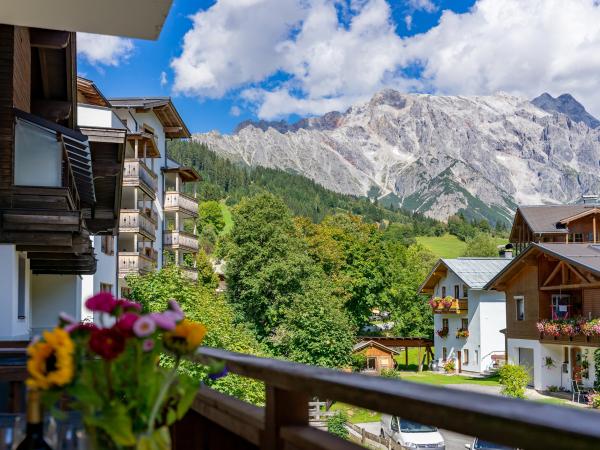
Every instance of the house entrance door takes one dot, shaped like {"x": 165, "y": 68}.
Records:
{"x": 459, "y": 355}
{"x": 576, "y": 366}
{"x": 526, "y": 360}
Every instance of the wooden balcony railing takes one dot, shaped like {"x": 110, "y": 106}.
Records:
{"x": 459, "y": 306}
{"x": 134, "y": 221}
{"x": 189, "y": 272}
{"x": 135, "y": 263}
{"x": 137, "y": 173}
{"x": 219, "y": 421}
{"x": 178, "y": 201}
{"x": 181, "y": 240}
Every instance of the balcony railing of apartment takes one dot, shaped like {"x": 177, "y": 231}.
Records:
{"x": 182, "y": 202}
{"x": 180, "y": 240}
{"x": 135, "y": 263}
{"x": 137, "y": 173}
{"x": 459, "y": 306}
{"x": 134, "y": 221}
{"x": 220, "y": 421}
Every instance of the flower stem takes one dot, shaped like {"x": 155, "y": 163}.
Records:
{"x": 161, "y": 395}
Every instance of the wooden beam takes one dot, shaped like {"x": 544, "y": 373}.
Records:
{"x": 51, "y": 39}
{"x": 570, "y": 286}
{"x": 553, "y": 273}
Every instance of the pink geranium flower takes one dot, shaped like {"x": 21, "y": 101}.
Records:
{"x": 126, "y": 322}
{"x": 144, "y": 326}
{"x": 102, "y": 302}
{"x": 148, "y": 345}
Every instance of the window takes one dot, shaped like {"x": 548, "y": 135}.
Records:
{"x": 125, "y": 292}
{"x": 464, "y": 323}
{"x": 445, "y": 324}
{"x": 578, "y": 237}
{"x": 456, "y": 291}
{"x": 466, "y": 356}
{"x": 465, "y": 291}
{"x": 590, "y": 236}
{"x": 561, "y": 306}
{"x": 476, "y": 356}
{"x": 520, "y": 302}
{"x": 107, "y": 245}
{"x": 105, "y": 287}
{"x": 443, "y": 291}
{"x": 444, "y": 353}
{"x": 371, "y": 363}
{"x": 34, "y": 167}
{"x": 394, "y": 425}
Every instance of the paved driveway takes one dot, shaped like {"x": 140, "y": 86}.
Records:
{"x": 454, "y": 441}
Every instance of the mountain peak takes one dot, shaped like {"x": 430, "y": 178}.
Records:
{"x": 567, "y": 105}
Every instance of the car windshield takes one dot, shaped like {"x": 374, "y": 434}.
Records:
{"x": 489, "y": 446}
{"x": 406, "y": 426}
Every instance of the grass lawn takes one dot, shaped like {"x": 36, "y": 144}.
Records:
{"x": 357, "y": 415}
{"x": 227, "y": 217}
{"x": 441, "y": 379}
{"x": 446, "y": 246}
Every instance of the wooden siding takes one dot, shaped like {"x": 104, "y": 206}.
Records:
{"x": 591, "y": 302}
{"x": 22, "y": 70}
{"x": 6, "y": 104}
{"x": 525, "y": 284}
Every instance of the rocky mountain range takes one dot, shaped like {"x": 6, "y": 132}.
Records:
{"x": 439, "y": 155}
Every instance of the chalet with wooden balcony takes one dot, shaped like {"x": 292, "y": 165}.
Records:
{"x": 555, "y": 223}
{"x": 467, "y": 319}
{"x": 552, "y": 307}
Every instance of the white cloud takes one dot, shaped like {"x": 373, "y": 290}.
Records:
{"x": 163, "y": 79}
{"x": 235, "y": 111}
{"x": 524, "y": 47}
{"x": 104, "y": 50}
{"x": 422, "y": 5}
{"x": 408, "y": 22}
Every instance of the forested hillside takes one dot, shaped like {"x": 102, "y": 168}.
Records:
{"x": 224, "y": 179}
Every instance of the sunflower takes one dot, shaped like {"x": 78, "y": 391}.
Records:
{"x": 50, "y": 362}
{"x": 185, "y": 338}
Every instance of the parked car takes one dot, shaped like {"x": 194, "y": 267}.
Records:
{"x": 411, "y": 434}
{"x": 478, "y": 444}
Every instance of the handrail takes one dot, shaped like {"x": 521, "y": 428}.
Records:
{"x": 518, "y": 423}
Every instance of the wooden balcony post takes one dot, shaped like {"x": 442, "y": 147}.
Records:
{"x": 283, "y": 408}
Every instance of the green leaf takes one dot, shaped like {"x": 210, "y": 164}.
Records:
{"x": 116, "y": 422}
{"x": 187, "y": 388}
{"x": 159, "y": 440}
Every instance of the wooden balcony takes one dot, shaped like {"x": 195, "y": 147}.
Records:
{"x": 134, "y": 221}
{"x": 459, "y": 306}
{"x": 137, "y": 174}
{"x": 180, "y": 240}
{"x": 135, "y": 263}
{"x": 217, "y": 421}
{"x": 180, "y": 202}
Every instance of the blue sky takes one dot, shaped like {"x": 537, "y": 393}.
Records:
{"x": 283, "y": 59}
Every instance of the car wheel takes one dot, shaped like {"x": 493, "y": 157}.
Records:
{"x": 381, "y": 434}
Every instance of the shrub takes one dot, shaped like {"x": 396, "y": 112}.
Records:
{"x": 552, "y": 388}
{"x": 449, "y": 366}
{"x": 336, "y": 424}
{"x": 390, "y": 373}
{"x": 358, "y": 361}
{"x": 513, "y": 379}
{"x": 594, "y": 400}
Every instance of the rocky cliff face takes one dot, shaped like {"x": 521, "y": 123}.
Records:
{"x": 433, "y": 154}
{"x": 567, "y": 105}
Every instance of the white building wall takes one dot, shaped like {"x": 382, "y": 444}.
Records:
{"x": 97, "y": 116}
{"x": 106, "y": 273}
{"x": 486, "y": 317}
{"x": 51, "y": 295}
{"x": 11, "y": 326}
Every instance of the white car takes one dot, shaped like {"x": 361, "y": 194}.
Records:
{"x": 478, "y": 444}
{"x": 411, "y": 434}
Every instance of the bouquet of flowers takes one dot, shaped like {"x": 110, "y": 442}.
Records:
{"x": 568, "y": 329}
{"x": 111, "y": 373}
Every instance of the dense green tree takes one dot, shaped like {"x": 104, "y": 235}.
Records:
{"x": 202, "y": 304}
{"x": 210, "y": 213}
{"x": 410, "y": 311}
{"x": 481, "y": 245}
{"x": 206, "y": 273}
{"x": 207, "y": 239}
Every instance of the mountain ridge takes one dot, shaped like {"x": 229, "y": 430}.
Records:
{"x": 437, "y": 155}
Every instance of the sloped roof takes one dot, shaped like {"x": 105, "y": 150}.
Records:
{"x": 474, "y": 272}
{"x": 164, "y": 109}
{"x": 364, "y": 344}
{"x": 586, "y": 256}
{"x": 543, "y": 218}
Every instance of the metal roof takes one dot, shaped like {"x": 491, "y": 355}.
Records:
{"x": 476, "y": 272}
